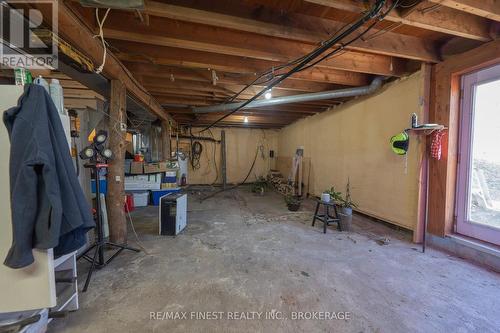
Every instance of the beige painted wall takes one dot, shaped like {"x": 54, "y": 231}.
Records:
{"x": 353, "y": 141}
{"x": 241, "y": 145}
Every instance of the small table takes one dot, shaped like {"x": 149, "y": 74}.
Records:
{"x": 326, "y": 218}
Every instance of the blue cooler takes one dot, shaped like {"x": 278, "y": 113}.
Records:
{"x": 157, "y": 194}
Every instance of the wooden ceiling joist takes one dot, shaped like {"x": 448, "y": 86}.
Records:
{"x": 162, "y": 55}
{"x": 190, "y": 53}
{"x": 440, "y": 19}
{"x": 489, "y": 9}
{"x": 75, "y": 32}
{"x": 392, "y": 44}
{"x": 314, "y": 74}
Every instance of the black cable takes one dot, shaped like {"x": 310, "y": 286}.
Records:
{"x": 342, "y": 46}
{"x": 196, "y": 150}
{"x": 338, "y": 49}
{"x": 325, "y": 46}
{"x": 239, "y": 184}
{"x": 271, "y": 70}
{"x": 215, "y": 158}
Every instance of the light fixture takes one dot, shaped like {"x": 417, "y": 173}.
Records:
{"x": 245, "y": 120}
{"x": 107, "y": 153}
{"x": 100, "y": 137}
{"x": 268, "y": 94}
{"x": 87, "y": 153}
{"x": 97, "y": 152}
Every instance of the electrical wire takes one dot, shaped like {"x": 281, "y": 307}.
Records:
{"x": 239, "y": 184}
{"x": 309, "y": 57}
{"x": 100, "y": 24}
{"x": 135, "y": 233}
{"x": 196, "y": 150}
{"x": 279, "y": 67}
{"x": 215, "y": 158}
{"x": 336, "y": 52}
{"x": 360, "y": 36}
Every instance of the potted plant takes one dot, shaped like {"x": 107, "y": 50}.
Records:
{"x": 346, "y": 203}
{"x": 346, "y": 206}
{"x": 334, "y": 195}
{"x": 292, "y": 202}
{"x": 259, "y": 186}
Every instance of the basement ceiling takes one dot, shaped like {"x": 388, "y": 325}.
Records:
{"x": 197, "y": 53}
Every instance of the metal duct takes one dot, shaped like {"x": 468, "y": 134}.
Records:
{"x": 341, "y": 93}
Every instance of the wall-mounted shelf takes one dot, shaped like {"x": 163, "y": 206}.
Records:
{"x": 426, "y": 129}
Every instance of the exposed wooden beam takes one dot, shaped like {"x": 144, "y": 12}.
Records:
{"x": 192, "y": 45}
{"x": 81, "y": 93}
{"x": 240, "y": 119}
{"x": 392, "y": 44}
{"x": 312, "y": 75}
{"x": 489, "y": 9}
{"x": 286, "y": 55}
{"x": 79, "y": 103}
{"x": 161, "y": 55}
{"x": 74, "y": 31}
{"x": 254, "y": 112}
{"x": 440, "y": 19}
{"x": 232, "y": 86}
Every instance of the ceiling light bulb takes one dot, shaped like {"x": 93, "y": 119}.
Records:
{"x": 268, "y": 94}
{"x": 245, "y": 120}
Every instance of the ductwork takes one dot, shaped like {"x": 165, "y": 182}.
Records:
{"x": 341, "y": 93}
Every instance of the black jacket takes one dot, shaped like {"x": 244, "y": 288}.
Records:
{"x": 49, "y": 209}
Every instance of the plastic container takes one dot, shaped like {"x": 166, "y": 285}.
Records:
{"x": 170, "y": 180}
{"x": 141, "y": 198}
{"x": 157, "y": 194}
{"x": 56, "y": 92}
{"x": 129, "y": 203}
{"x": 42, "y": 82}
{"x": 325, "y": 197}
{"x": 103, "y": 186}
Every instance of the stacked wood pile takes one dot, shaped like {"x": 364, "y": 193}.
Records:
{"x": 281, "y": 185}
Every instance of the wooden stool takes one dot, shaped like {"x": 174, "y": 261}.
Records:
{"x": 326, "y": 218}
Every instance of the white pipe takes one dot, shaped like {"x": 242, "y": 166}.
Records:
{"x": 341, "y": 93}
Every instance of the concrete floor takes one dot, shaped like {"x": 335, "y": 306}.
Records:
{"x": 246, "y": 253}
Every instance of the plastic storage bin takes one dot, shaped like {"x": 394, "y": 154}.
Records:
{"x": 157, "y": 194}
{"x": 141, "y": 198}
{"x": 129, "y": 203}
{"x": 103, "y": 186}
{"x": 170, "y": 177}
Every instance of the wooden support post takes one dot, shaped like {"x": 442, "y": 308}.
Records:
{"x": 299, "y": 169}
{"x": 223, "y": 158}
{"x": 425, "y": 91}
{"x": 116, "y": 173}
{"x": 165, "y": 140}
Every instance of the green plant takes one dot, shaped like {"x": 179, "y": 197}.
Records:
{"x": 292, "y": 200}
{"x": 260, "y": 185}
{"x": 334, "y": 195}
{"x": 347, "y": 202}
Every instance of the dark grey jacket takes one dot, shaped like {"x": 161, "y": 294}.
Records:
{"x": 49, "y": 209}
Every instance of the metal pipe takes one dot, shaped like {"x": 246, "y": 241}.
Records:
{"x": 341, "y": 93}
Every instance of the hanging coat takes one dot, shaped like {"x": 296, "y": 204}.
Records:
{"x": 49, "y": 209}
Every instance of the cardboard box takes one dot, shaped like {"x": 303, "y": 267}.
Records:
{"x": 155, "y": 167}
{"x": 137, "y": 168}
